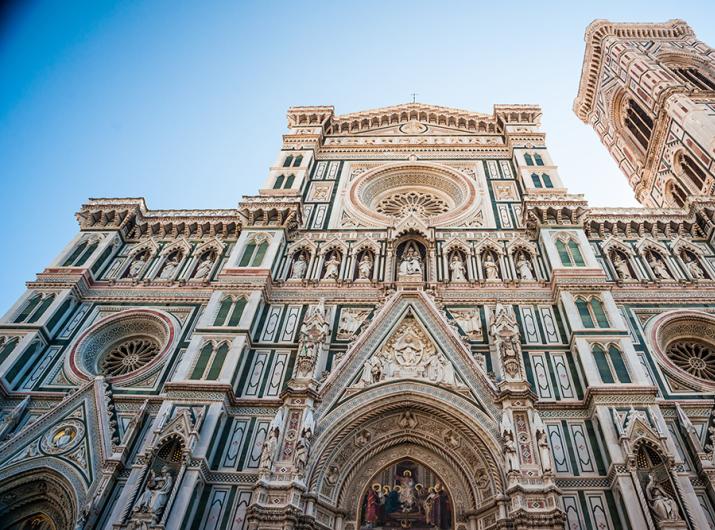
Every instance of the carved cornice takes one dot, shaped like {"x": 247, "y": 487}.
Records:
{"x": 271, "y": 211}
{"x": 556, "y": 210}
{"x": 134, "y": 220}
{"x": 596, "y": 33}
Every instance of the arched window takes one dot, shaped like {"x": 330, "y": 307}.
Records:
{"x": 592, "y": 313}
{"x": 6, "y": 346}
{"x": 278, "y": 184}
{"x": 610, "y": 364}
{"x": 528, "y": 159}
{"x": 253, "y": 254}
{"x": 536, "y": 180}
{"x": 570, "y": 253}
{"x": 29, "y": 308}
{"x": 539, "y": 161}
{"x": 675, "y": 193}
{"x": 35, "y": 308}
{"x": 298, "y": 161}
{"x": 693, "y": 77}
{"x": 547, "y": 180}
{"x": 289, "y": 182}
{"x": 638, "y": 123}
{"x": 693, "y": 171}
{"x": 288, "y": 161}
{"x": 210, "y": 361}
{"x": 78, "y": 250}
{"x": 234, "y": 308}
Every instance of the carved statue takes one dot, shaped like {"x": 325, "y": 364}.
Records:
{"x": 10, "y": 420}
{"x": 621, "y": 267}
{"x": 302, "y": 450}
{"x": 269, "y": 449}
{"x": 491, "y": 270}
{"x": 137, "y": 265}
{"x": 511, "y": 457}
{"x": 542, "y": 443}
{"x": 332, "y": 268}
{"x": 411, "y": 262}
{"x": 313, "y": 334}
{"x": 350, "y": 321}
{"x": 523, "y": 267}
{"x": 456, "y": 267}
{"x": 365, "y": 267}
{"x": 156, "y": 493}
{"x": 693, "y": 267}
{"x": 505, "y": 336}
{"x": 300, "y": 266}
{"x": 204, "y": 268}
{"x": 169, "y": 269}
{"x": 658, "y": 268}
{"x": 663, "y": 505}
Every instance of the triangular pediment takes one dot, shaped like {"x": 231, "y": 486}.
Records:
{"x": 409, "y": 338}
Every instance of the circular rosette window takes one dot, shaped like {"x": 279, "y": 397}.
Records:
{"x": 684, "y": 342}
{"x": 124, "y": 347}
{"x": 436, "y": 194}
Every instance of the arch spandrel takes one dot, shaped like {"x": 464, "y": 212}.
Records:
{"x": 477, "y": 386}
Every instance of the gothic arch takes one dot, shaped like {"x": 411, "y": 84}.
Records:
{"x": 407, "y": 419}
{"x": 40, "y": 497}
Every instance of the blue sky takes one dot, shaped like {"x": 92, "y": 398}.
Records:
{"x": 184, "y": 102}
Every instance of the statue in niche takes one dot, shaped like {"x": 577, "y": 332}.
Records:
{"x": 505, "y": 336}
{"x": 542, "y": 443}
{"x": 312, "y": 337}
{"x": 658, "y": 267}
{"x": 268, "y": 450}
{"x": 302, "y": 450}
{"x": 693, "y": 266}
{"x": 365, "y": 267}
{"x": 663, "y": 505}
{"x": 491, "y": 269}
{"x": 411, "y": 262}
{"x": 138, "y": 264}
{"x": 300, "y": 267}
{"x": 332, "y": 267}
{"x": 621, "y": 267}
{"x": 169, "y": 269}
{"x": 205, "y": 266}
{"x": 456, "y": 267}
{"x": 156, "y": 493}
{"x": 511, "y": 458}
{"x": 523, "y": 267}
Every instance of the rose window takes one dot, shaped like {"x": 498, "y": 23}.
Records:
{"x": 422, "y": 204}
{"x": 129, "y": 356}
{"x": 695, "y": 357}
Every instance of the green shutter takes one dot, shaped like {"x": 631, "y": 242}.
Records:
{"x": 602, "y": 363}
{"x": 217, "y": 363}
{"x": 29, "y": 307}
{"x": 247, "y": 255}
{"x": 563, "y": 253}
{"x": 576, "y": 253}
{"x": 536, "y": 180}
{"x": 278, "y": 184}
{"x": 41, "y": 309}
{"x": 597, "y": 308}
{"x": 7, "y": 349}
{"x": 539, "y": 160}
{"x": 619, "y": 364}
{"x": 222, "y": 312}
{"x": 260, "y": 253}
{"x": 585, "y": 315}
{"x": 288, "y": 161}
{"x": 237, "y": 312}
{"x": 75, "y": 254}
{"x": 202, "y": 361}
{"x": 528, "y": 159}
{"x": 289, "y": 181}
{"x": 547, "y": 181}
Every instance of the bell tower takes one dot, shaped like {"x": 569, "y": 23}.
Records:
{"x": 649, "y": 92}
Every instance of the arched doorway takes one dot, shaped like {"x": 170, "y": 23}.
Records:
{"x": 406, "y": 494}
{"x": 38, "y": 500}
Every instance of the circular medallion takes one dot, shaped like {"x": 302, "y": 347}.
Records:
{"x": 63, "y": 437}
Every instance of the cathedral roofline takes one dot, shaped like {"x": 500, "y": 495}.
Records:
{"x": 595, "y": 35}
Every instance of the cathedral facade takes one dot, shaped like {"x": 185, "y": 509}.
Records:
{"x": 413, "y": 324}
